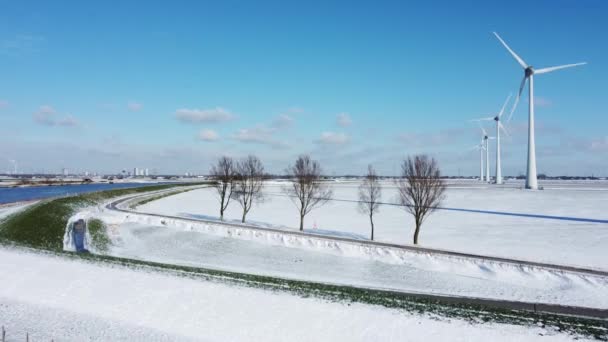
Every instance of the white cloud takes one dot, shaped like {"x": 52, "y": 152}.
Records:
{"x": 600, "y": 144}
{"x": 282, "y": 121}
{"x": 259, "y": 134}
{"x": 67, "y": 121}
{"x": 344, "y": 120}
{"x": 333, "y": 138}
{"x": 46, "y": 115}
{"x": 134, "y": 106}
{"x": 3, "y": 104}
{"x": 213, "y": 115}
{"x": 208, "y": 135}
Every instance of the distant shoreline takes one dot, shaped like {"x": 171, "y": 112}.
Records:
{"x": 43, "y": 184}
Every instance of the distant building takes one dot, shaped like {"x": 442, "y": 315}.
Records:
{"x": 146, "y": 172}
{"x": 135, "y": 172}
{"x": 64, "y": 171}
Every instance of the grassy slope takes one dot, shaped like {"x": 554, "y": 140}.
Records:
{"x": 42, "y": 227}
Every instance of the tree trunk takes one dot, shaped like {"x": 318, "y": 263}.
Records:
{"x": 416, "y": 232}
{"x": 222, "y": 209}
{"x": 244, "y": 214}
{"x": 371, "y": 220}
{"x": 301, "y": 222}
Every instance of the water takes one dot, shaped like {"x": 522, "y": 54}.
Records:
{"x": 9, "y": 195}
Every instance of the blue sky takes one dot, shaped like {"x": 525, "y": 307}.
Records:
{"x": 114, "y": 85}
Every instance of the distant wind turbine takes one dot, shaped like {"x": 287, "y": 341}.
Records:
{"x": 499, "y": 126}
{"x": 481, "y": 149}
{"x": 529, "y": 72}
{"x": 484, "y": 144}
{"x": 14, "y": 162}
{"x": 487, "y": 148}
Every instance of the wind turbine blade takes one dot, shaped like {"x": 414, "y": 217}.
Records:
{"x": 504, "y": 129}
{"x": 483, "y": 119}
{"x": 519, "y": 60}
{"x": 483, "y": 130}
{"x": 546, "y": 70}
{"x": 521, "y": 89}
{"x": 502, "y": 110}
{"x": 491, "y": 138}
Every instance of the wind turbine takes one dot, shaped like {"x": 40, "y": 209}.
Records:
{"x": 480, "y": 148}
{"x": 484, "y": 144}
{"x": 14, "y": 162}
{"x": 486, "y": 138}
{"x": 499, "y": 126}
{"x": 529, "y": 72}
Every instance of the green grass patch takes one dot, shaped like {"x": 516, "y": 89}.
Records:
{"x": 99, "y": 236}
{"x": 42, "y": 225}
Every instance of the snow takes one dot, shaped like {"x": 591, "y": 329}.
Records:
{"x": 567, "y": 242}
{"x": 315, "y": 258}
{"x": 71, "y": 300}
{"x": 7, "y": 210}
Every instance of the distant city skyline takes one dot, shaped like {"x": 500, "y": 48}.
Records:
{"x": 107, "y": 87}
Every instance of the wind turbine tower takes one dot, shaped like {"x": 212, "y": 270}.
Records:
{"x": 481, "y": 148}
{"x": 484, "y": 143}
{"x": 485, "y": 138}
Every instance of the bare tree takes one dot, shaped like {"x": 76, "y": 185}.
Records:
{"x": 307, "y": 191}
{"x": 224, "y": 174}
{"x": 248, "y": 183}
{"x": 421, "y": 188}
{"x": 370, "y": 193}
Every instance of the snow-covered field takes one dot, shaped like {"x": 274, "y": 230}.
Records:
{"x": 53, "y": 297}
{"x": 215, "y": 245}
{"x": 551, "y": 240}
{"x": 338, "y": 263}
{"x": 69, "y": 300}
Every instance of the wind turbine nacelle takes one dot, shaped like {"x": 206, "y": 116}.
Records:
{"x": 529, "y": 71}
{"x": 496, "y": 118}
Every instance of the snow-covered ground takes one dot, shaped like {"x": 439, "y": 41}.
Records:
{"x": 314, "y": 258}
{"x": 551, "y": 240}
{"x": 9, "y": 209}
{"x": 338, "y": 263}
{"x": 69, "y": 300}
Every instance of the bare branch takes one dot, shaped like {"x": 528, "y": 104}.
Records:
{"x": 370, "y": 194}
{"x": 307, "y": 190}
{"x": 421, "y": 189}
{"x": 224, "y": 174}
{"x": 248, "y": 183}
